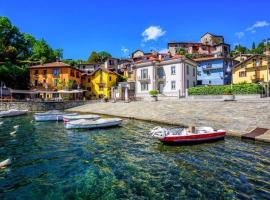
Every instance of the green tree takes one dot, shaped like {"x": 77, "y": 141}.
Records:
{"x": 12, "y": 43}
{"x": 58, "y": 53}
{"x": 42, "y": 51}
{"x": 103, "y": 55}
{"x": 253, "y": 46}
{"x": 93, "y": 58}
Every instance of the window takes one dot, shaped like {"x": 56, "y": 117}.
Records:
{"x": 36, "y": 72}
{"x": 199, "y": 73}
{"x": 89, "y": 89}
{"x": 172, "y": 70}
{"x": 194, "y": 84}
{"x": 36, "y": 83}
{"x": 144, "y": 86}
{"x": 110, "y": 78}
{"x": 194, "y": 71}
{"x": 243, "y": 74}
{"x": 173, "y": 85}
{"x": 72, "y": 73}
{"x": 101, "y": 88}
{"x": 77, "y": 74}
{"x": 55, "y": 72}
{"x": 210, "y": 82}
{"x": 187, "y": 83}
{"x": 55, "y": 82}
{"x": 187, "y": 69}
{"x": 144, "y": 73}
{"x": 89, "y": 80}
{"x": 44, "y": 72}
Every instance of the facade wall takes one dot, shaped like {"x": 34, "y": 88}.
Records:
{"x": 166, "y": 82}
{"x": 254, "y": 70}
{"x": 149, "y": 81}
{"x": 101, "y": 84}
{"x": 38, "y": 77}
{"x": 212, "y": 72}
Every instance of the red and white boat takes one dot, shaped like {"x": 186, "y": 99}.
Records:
{"x": 187, "y": 135}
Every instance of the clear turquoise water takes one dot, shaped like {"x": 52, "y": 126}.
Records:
{"x": 50, "y": 162}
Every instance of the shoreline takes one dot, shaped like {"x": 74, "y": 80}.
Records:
{"x": 149, "y": 111}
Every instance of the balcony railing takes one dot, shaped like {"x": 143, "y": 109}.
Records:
{"x": 161, "y": 77}
{"x": 144, "y": 79}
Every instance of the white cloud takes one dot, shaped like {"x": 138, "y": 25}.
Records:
{"x": 153, "y": 33}
{"x": 239, "y": 34}
{"x": 124, "y": 51}
{"x": 163, "y": 51}
{"x": 258, "y": 24}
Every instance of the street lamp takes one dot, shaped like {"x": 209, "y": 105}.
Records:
{"x": 2, "y": 85}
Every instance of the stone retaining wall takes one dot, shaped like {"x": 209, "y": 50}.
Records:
{"x": 237, "y": 97}
{"x": 41, "y": 106}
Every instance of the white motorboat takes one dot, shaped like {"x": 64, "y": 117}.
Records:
{"x": 53, "y": 115}
{"x": 12, "y": 113}
{"x": 68, "y": 118}
{"x": 90, "y": 124}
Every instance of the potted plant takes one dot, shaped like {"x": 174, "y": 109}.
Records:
{"x": 154, "y": 94}
{"x": 228, "y": 94}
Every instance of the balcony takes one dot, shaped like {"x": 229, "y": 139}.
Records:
{"x": 144, "y": 79}
{"x": 161, "y": 77}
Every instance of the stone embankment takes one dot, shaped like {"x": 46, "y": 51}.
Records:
{"x": 237, "y": 117}
{"x": 40, "y": 106}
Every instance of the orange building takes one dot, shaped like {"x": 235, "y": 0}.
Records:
{"x": 54, "y": 76}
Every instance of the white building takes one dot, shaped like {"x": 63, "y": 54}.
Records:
{"x": 171, "y": 77}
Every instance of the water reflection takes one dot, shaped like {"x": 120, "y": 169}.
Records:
{"x": 53, "y": 163}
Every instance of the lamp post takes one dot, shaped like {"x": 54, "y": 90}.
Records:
{"x": 1, "y": 91}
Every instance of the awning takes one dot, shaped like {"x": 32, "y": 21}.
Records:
{"x": 24, "y": 91}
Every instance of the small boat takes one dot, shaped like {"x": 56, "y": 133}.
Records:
{"x": 187, "y": 135}
{"x": 12, "y": 113}
{"x": 53, "y": 115}
{"x": 90, "y": 124}
{"x": 68, "y": 118}
{"x": 5, "y": 163}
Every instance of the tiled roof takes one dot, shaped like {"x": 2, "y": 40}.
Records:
{"x": 208, "y": 58}
{"x": 256, "y": 55}
{"x": 53, "y": 64}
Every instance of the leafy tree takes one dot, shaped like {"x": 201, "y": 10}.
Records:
{"x": 253, "y": 45}
{"x": 58, "y": 53}
{"x": 98, "y": 58}
{"x": 42, "y": 51}
{"x": 93, "y": 58}
{"x": 103, "y": 55}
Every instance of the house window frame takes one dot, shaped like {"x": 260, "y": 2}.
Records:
{"x": 56, "y": 72}
{"x": 173, "y": 85}
{"x": 144, "y": 86}
{"x": 173, "y": 70}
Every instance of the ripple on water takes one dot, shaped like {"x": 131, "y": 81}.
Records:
{"x": 125, "y": 162}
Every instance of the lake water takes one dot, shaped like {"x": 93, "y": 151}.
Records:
{"x": 50, "y": 162}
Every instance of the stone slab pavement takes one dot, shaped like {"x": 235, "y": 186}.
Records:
{"x": 237, "y": 117}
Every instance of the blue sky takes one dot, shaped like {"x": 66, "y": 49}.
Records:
{"x": 120, "y": 26}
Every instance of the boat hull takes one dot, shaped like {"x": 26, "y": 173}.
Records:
{"x": 50, "y": 117}
{"x": 196, "y": 138}
{"x": 12, "y": 113}
{"x": 92, "y": 126}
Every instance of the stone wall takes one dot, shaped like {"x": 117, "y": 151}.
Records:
{"x": 41, "y": 106}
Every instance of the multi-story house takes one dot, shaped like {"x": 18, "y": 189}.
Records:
{"x": 54, "y": 76}
{"x": 254, "y": 69}
{"x": 99, "y": 83}
{"x": 213, "y": 71}
{"x": 209, "y": 45}
{"x": 170, "y": 76}
{"x": 88, "y": 67}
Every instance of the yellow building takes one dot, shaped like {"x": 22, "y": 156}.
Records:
{"x": 99, "y": 83}
{"x": 251, "y": 70}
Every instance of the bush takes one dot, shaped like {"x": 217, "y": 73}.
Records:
{"x": 153, "y": 93}
{"x": 228, "y": 91}
{"x": 242, "y": 88}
